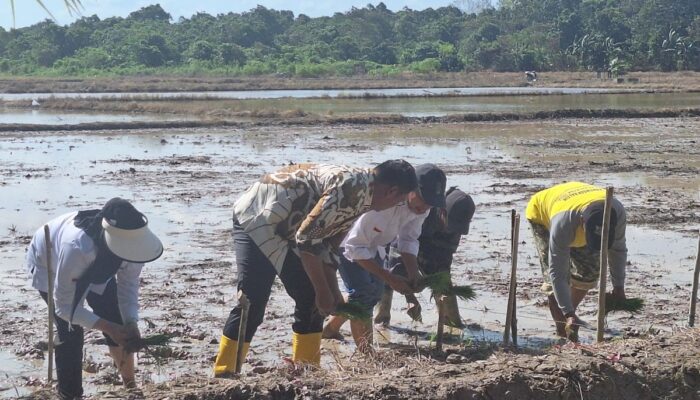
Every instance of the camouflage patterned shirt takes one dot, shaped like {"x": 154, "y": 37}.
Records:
{"x": 307, "y": 207}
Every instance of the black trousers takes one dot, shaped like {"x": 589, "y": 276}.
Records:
{"x": 69, "y": 350}
{"x": 255, "y": 277}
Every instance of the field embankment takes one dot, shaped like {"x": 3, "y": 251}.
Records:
{"x": 655, "y": 81}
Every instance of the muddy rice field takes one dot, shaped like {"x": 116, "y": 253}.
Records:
{"x": 186, "y": 180}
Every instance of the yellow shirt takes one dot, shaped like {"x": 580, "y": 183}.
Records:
{"x": 570, "y": 196}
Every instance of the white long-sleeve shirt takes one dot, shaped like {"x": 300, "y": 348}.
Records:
{"x": 375, "y": 229}
{"x": 72, "y": 252}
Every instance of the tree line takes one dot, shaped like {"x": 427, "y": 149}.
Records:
{"x": 543, "y": 35}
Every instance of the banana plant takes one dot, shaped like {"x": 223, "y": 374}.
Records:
{"x": 680, "y": 47}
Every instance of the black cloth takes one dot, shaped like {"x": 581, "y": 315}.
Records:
{"x": 105, "y": 265}
{"x": 69, "y": 352}
{"x": 255, "y": 277}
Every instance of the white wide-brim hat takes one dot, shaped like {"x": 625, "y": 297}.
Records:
{"x": 138, "y": 245}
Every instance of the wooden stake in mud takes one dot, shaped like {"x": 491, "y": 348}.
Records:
{"x": 514, "y": 242}
{"x": 441, "y": 322}
{"x": 47, "y": 243}
{"x": 604, "y": 264}
{"x": 510, "y": 311}
{"x": 694, "y": 293}
{"x": 245, "y": 306}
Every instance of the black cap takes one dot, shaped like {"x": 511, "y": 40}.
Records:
{"x": 593, "y": 221}
{"x": 460, "y": 210}
{"x": 431, "y": 184}
{"x": 122, "y": 214}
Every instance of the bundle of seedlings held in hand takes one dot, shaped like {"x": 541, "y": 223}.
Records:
{"x": 352, "y": 311}
{"x": 441, "y": 285}
{"x": 143, "y": 343}
{"x": 631, "y": 304}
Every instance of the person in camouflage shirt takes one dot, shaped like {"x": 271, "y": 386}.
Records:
{"x": 289, "y": 224}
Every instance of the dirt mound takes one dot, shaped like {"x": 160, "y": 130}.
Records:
{"x": 659, "y": 367}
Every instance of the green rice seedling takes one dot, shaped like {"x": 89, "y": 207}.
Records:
{"x": 441, "y": 284}
{"x": 352, "y": 311}
{"x": 463, "y": 292}
{"x": 631, "y": 304}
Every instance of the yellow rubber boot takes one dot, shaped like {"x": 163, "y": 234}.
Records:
{"x": 225, "y": 363}
{"x": 306, "y": 348}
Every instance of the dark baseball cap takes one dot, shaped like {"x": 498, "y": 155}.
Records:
{"x": 593, "y": 221}
{"x": 431, "y": 184}
{"x": 460, "y": 210}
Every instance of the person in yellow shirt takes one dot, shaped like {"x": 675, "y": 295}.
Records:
{"x": 566, "y": 222}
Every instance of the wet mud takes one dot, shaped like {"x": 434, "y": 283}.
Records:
{"x": 186, "y": 180}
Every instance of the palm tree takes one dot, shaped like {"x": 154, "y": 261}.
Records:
{"x": 73, "y": 6}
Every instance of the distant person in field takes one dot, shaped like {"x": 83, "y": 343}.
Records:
{"x": 566, "y": 222}
{"x": 289, "y": 224}
{"x": 96, "y": 256}
{"x": 438, "y": 242}
{"x": 363, "y": 252}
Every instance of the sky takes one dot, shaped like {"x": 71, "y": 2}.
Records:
{"x": 28, "y": 12}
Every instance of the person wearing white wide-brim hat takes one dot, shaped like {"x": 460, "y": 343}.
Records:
{"x": 96, "y": 256}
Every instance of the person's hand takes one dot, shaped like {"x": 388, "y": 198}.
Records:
{"x": 573, "y": 323}
{"x": 326, "y": 302}
{"x": 618, "y": 293}
{"x": 116, "y": 332}
{"x": 413, "y": 278}
{"x": 400, "y": 284}
{"x": 134, "y": 336}
{"x": 414, "y": 309}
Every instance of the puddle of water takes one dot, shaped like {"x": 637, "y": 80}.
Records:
{"x": 48, "y": 117}
{"x": 11, "y": 368}
{"x": 441, "y": 106}
{"x": 277, "y": 94}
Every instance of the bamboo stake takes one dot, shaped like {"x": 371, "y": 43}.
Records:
{"x": 510, "y": 311}
{"x": 514, "y": 316}
{"x": 441, "y": 322}
{"x": 694, "y": 293}
{"x": 47, "y": 243}
{"x": 245, "y": 306}
{"x": 600, "y": 334}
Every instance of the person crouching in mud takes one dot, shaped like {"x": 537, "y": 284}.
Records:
{"x": 96, "y": 255}
{"x": 566, "y": 222}
{"x": 438, "y": 242}
{"x": 363, "y": 252}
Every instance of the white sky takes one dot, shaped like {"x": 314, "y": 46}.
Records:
{"x": 28, "y": 12}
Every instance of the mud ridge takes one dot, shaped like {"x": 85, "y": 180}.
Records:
{"x": 657, "y": 367}
{"x": 363, "y": 120}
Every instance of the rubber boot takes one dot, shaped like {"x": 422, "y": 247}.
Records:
{"x": 225, "y": 364}
{"x": 306, "y": 348}
{"x": 451, "y": 312}
{"x": 384, "y": 308}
